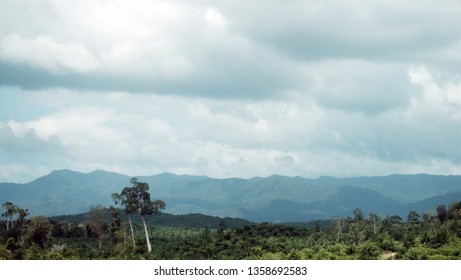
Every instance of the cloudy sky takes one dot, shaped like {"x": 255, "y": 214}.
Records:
{"x": 230, "y": 88}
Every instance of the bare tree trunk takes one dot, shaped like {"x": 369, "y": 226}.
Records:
{"x": 149, "y": 247}
{"x": 132, "y": 232}
{"x": 339, "y": 227}
{"x": 23, "y": 231}
{"x": 100, "y": 238}
{"x": 124, "y": 233}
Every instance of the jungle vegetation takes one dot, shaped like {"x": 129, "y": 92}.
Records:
{"x": 129, "y": 229}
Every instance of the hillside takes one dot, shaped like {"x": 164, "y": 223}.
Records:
{"x": 196, "y": 221}
{"x": 275, "y": 198}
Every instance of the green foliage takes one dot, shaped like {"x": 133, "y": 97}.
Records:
{"x": 38, "y": 231}
{"x": 136, "y": 199}
{"x": 358, "y": 215}
{"x": 435, "y": 238}
{"x": 368, "y": 250}
{"x": 11, "y": 212}
{"x": 442, "y": 213}
{"x": 345, "y": 238}
{"x": 34, "y": 252}
{"x": 5, "y": 254}
{"x": 115, "y": 226}
{"x": 96, "y": 223}
{"x": 413, "y": 217}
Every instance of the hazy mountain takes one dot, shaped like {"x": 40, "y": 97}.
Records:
{"x": 275, "y": 198}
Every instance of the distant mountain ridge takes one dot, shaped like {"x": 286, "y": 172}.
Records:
{"x": 274, "y": 199}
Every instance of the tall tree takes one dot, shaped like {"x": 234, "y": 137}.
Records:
{"x": 96, "y": 222}
{"x": 413, "y": 217}
{"x": 13, "y": 212}
{"x": 442, "y": 213}
{"x": 10, "y": 212}
{"x": 358, "y": 214}
{"x": 374, "y": 219}
{"x": 136, "y": 199}
{"x": 115, "y": 224}
{"x": 117, "y": 198}
{"x": 454, "y": 211}
{"x": 338, "y": 227}
{"x": 22, "y": 214}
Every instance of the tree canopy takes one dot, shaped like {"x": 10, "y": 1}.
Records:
{"x": 136, "y": 199}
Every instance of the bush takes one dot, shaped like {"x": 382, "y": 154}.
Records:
{"x": 5, "y": 254}
{"x": 368, "y": 251}
{"x": 435, "y": 238}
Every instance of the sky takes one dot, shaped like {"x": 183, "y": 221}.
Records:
{"x": 230, "y": 88}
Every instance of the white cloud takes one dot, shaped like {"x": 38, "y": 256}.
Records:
{"x": 231, "y": 88}
{"x": 439, "y": 96}
{"x": 45, "y": 53}
{"x": 216, "y": 18}
{"x": 12, "y": 172}
{"x": 146, "y": 134}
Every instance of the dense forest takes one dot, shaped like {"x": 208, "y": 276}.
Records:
{"x": 135, "y": 229}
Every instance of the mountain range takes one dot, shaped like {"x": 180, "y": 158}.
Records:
{"x": 272, "y": 199}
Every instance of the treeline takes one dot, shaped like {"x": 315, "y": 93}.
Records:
{"x": 193, "y": 221}
{"x": 430, "y": 235}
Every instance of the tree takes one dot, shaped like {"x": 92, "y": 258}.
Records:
{"x": 413, "y": 217}
{"x": 39, "y": 230}
{"x": 14, "y": 212}
{"x": 115, "y": 224}
{"x": 60, "y": 229}
{"x": 10, "y": 211}
{"x": 454, "y": 211}
{"x": 374, "y": 220}
{"x": 442, "y": 213}
{"x": 429, "y": 216}
{"x": 96, "y": 222}
{"x": 136, "y": 199}
{"x": 358, "y": 215}
{"x": 221, "y": 227}
{"x": 117, "y": 198}
{"x": 392, "y": 220}
{"x": 338, "y": 227}
{"x": 22, "y": 214}
{"x": 435, "y": 238}
{"x": 393, "y": 226}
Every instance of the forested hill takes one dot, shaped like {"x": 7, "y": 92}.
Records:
{"x": 195, "y": 221}
{"x": 274, "y": 199}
